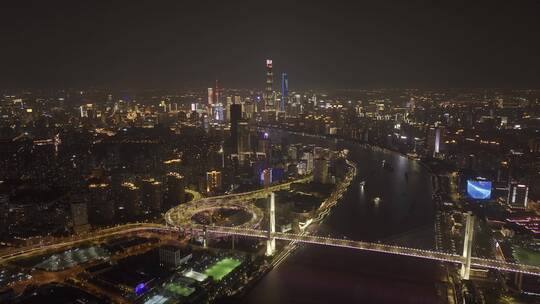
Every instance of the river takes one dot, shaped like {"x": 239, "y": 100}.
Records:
{"x": 404, "y": 216}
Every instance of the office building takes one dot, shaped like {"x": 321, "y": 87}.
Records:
{"x": 284, "y": 92}
{"x": 152, "y": 195}
{"x": 269, "y": 88}
{"x": 102, "y": 207}
{"x": 175, "y": 190}
{"x": 266, "y": 177}
{"x": 244, "y": 138}
{"x": 217, "y": 95}
{"x": 308, "y": 158}
{"x": 292, "y": 152}
{"x": 318, "y": 152}
{"x": 213, "y": 181}
{"x": 79, "y": 216}
{"x": 236, "y": 116}
{"x": 435, "y": 140}
{"x": 518, "y": 195}
{"x": 227, "y": 109}
{"x": 218, "y": 113}
{"x": 173, "y": 257}
{"x": 249, "y": 109}
{"x": 320, "y": 171}
{"x": 130, "y": 205}
{"x": 4, "y": 214}
{"x": 264, "y": 145}
{"x": 210, "y": 96}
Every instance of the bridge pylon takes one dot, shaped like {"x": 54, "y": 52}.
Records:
{"x": 271, "y": 242}
{"x": 467, "y": 246}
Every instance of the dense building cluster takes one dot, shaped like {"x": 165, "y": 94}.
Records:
{"x": 77, "y": 161}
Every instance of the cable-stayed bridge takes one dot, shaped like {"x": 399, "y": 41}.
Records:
{"x": 368, "y": 246}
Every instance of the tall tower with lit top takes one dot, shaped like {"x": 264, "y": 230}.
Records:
{"x": 269, "y": 88}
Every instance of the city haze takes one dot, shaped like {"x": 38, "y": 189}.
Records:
{"x": 369, "y": 44}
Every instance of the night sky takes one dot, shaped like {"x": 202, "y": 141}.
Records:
{"x": 320, "y": 44}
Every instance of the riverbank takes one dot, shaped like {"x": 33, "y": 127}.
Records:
{"x": 322, "y": 212}
{"x": 319, "y": 274}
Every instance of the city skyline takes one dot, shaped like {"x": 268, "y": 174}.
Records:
{"x": 270, "y": 152}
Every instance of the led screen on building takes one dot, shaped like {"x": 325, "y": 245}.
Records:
{"x": 479, "y": 189}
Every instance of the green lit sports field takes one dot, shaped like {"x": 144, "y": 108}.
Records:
{"x": 179, "y": 289}
{"x": 222, "y": 268}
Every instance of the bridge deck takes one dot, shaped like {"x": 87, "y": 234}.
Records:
{"x": 377, "y": 247}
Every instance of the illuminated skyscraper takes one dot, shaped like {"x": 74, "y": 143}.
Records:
{"x": 264, "y": 144}
{"x": 213, "y": 181}
{"x": 216, "y": 93}
{"x": 435, "y": 140}
{"x": 244, "y": 143}
{"x": 518, "y": 195}
{"x": 269, "y": 88}
{"x": 237, "y": 99}
{"x": 284, "y": 92}
{"x": 210, "y": 96}
{"x": 218, "y": 113}
{"x": 249, "y": 109}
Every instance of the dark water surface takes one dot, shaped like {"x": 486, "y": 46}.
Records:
{"x": 317, "y": 274}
